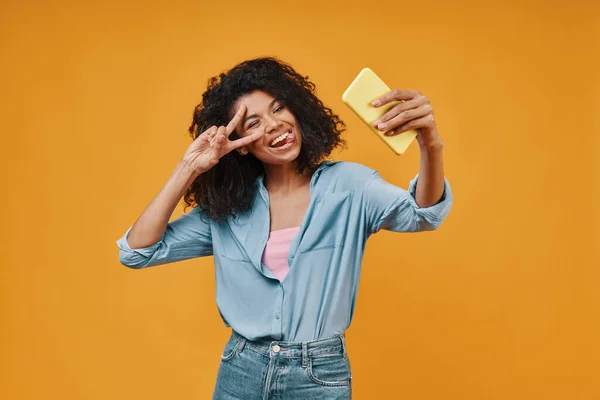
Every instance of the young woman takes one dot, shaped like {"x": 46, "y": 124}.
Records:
{"x": 287, "y": 228}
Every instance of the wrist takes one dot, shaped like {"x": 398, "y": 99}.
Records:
{"x": 433, "y": 146}
{"x": 186, "y": 170}
{"x": 430, "y": 140}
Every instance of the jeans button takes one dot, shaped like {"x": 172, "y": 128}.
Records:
{"x": 276, "y": 348}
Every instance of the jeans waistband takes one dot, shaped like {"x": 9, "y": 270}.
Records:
{"x": 335, "y": 345}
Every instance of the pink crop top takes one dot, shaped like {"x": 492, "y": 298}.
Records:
{"x": 275, "y": 257}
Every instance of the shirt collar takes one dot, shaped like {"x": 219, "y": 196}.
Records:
{"x": 261, "y": 178}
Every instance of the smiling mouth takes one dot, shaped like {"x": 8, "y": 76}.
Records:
{"x": 282, "y": 139}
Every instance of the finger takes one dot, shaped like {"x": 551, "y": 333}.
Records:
{"x": 216, "y": 132}
{"x": 423, "y": 122}
{"x": 405, "y": 117}
{"x": 219, "y": 133}
{"x": 212, "y": 132}
{"x": 405, "y": 106}
{"x": 235, "y": 120}
{"x": 246, "y": 140}
{"x": 395, "y": 95}
{"x": 217, "y": 151}
{"x": 211, "y": 139}
{"x": 207, "y": 133}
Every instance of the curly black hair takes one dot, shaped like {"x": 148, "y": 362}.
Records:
{"x": 229, "y": 187}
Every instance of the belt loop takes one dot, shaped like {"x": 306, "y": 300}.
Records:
{"x": 343, "y": 339}
{"x": 304, "y": 354}
{"x": 241, "y": 344}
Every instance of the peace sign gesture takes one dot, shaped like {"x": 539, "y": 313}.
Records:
{"x": 212, "y": 144}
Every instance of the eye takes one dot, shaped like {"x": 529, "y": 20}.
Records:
{"x": 252, "y": 124}
{"x": 279, "y": 108}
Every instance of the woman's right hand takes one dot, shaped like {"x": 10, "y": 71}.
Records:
{"x": 212, "y": 144}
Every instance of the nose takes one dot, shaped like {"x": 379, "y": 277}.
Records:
{"x": 271, "y": 124}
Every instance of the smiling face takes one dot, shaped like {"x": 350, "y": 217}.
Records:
{"x": 282, "y": 139}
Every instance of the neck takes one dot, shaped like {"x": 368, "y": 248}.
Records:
{"x": 284, "y": 178}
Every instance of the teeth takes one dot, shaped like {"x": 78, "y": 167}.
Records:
{"x": 279, "y": 138}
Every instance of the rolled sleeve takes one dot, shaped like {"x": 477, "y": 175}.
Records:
{"x": 392, "y": 208}
{"x": 186, "y": 237}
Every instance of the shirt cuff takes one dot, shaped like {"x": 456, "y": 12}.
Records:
{"x": 446, "y": 195}
{"x": 145, "y": 251}
{"x": 436, "y": 213}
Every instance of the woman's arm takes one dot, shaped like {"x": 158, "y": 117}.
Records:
{"x": 395, "y": 209}
{"x": 415, "y": 112}
{"x": 430, "y": 185}
{"x": 152, "y": 223}
{"x": 152, "y": 240}
{"x": 428, "y": 199}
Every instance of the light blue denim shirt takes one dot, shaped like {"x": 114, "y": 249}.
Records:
{"x": 348, "y": 203}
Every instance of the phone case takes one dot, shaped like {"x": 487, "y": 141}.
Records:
{"x": 366, "y": 88}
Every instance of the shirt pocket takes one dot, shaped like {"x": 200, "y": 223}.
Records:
{"x": 328, "y": 224}
{"x": 231, "y": 249}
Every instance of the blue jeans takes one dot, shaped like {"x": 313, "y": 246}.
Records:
{"x": 267, "y": 370}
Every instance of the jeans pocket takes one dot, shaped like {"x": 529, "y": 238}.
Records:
{"x": 329, "y": 371}
{"x": 230, "y": 350}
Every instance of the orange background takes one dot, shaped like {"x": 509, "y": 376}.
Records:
{"x": 502, "y": 302}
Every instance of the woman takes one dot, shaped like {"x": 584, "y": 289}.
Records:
{"x": 287, "y": 229}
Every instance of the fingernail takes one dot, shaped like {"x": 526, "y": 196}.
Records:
{"x": 382, "y": 127}
{"x": 390, "y": 133}
{"x": 376, "y": 103}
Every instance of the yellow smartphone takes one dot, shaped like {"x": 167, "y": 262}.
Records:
{"x": 366, "y": 88}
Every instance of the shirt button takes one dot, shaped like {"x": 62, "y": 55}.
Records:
{"x": 276, "y": 348}
{"x": 277, "y": 317}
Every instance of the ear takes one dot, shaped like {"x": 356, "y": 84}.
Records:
{"x": 242, "y": 150}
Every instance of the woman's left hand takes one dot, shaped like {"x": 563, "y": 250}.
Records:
{"x": 414, "y": 112}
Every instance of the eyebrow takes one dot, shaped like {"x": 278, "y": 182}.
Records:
{"x": 254, "y": 115}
